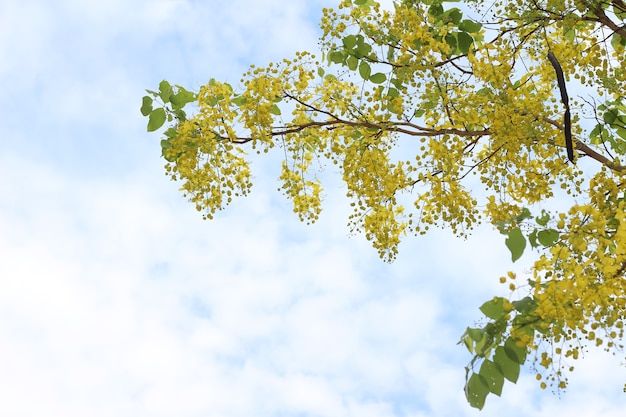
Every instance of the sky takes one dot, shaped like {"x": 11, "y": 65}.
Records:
{"x": 117, "y": 299}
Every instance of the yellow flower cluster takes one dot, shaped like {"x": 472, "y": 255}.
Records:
{"x": 428, "y": 132}
{"x": 579, "y": 283}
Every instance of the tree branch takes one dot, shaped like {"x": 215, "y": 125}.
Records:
{"x": 586, "y": 150}
{"x": 604, "y": 19}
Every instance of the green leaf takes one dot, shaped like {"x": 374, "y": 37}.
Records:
{"x": 365, "y": 70}
{"x": 594, "y": 135}
{"x": 510, "y": 368}
{"x": 548, "y": 237}
{"x": 453, "y": 15}
{"x": 451, "y": 40}
{"x": 435, "y": 10}
{"x": 352, "y": 62}
{"x": 532, "y": 238}
{"x": 475, "y": 334}
{"x": 476, "y": 391}
{"x": 514, "y": 352}
{"x": 170, "y": 133}
{"x": 165, "y": 146}
{"x": 182, "y": 97}
{"x": 617, "y": 40}
{"x": 465, "y": 42}
{"x": 146, "y": 105}
{"x": 275, "y": 110}
{"x": 493, "y": 376}
{"x": 470, "y": 26}
{"x": 156, "y": 119}
{"x": 494, "y": 309}
{"x": 397, "y": 83}
{"x": 337, "y": 57}
{"x": 180, "y": 114}
{"x": 239, "y": 100}
{"x": 469, "y": 344}
{"x": 525, "y": 214}
{"x": 516, "y": 243}
{"x": 363, "y": 49}
{"x": 378, "y": 78}
{"x": 544, "y": 219}
{"x": 349, "y": 41}
{"x": 525, "y": 305}
{"x": 609, "y": 116}
{"x": 356, "y": 134}
{"x": 484, "y": 346}
{"x": 320, "y": 71}
{"x": 603, "y": 135}
{"x": 165, "y": 91}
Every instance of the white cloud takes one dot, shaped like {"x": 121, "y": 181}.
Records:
{"x": 116, "y": 299}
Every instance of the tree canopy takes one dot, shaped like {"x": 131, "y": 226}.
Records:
{"x": 493, "y": 111}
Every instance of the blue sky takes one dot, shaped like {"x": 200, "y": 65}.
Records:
{"x": 117, "y": 299}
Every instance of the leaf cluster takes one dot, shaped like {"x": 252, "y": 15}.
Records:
{"x": 499, "y": 348}
{"x": 539, "y": 236}
{"x": 170, "y": 102}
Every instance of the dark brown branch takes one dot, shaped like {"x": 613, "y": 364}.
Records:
{"x": 401, "y": 127}
{"x": 602, "y": 18}
{"x": 567, "y": 118}
{"x": 580, "y": 146}
{"x": 412, "y": 129}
